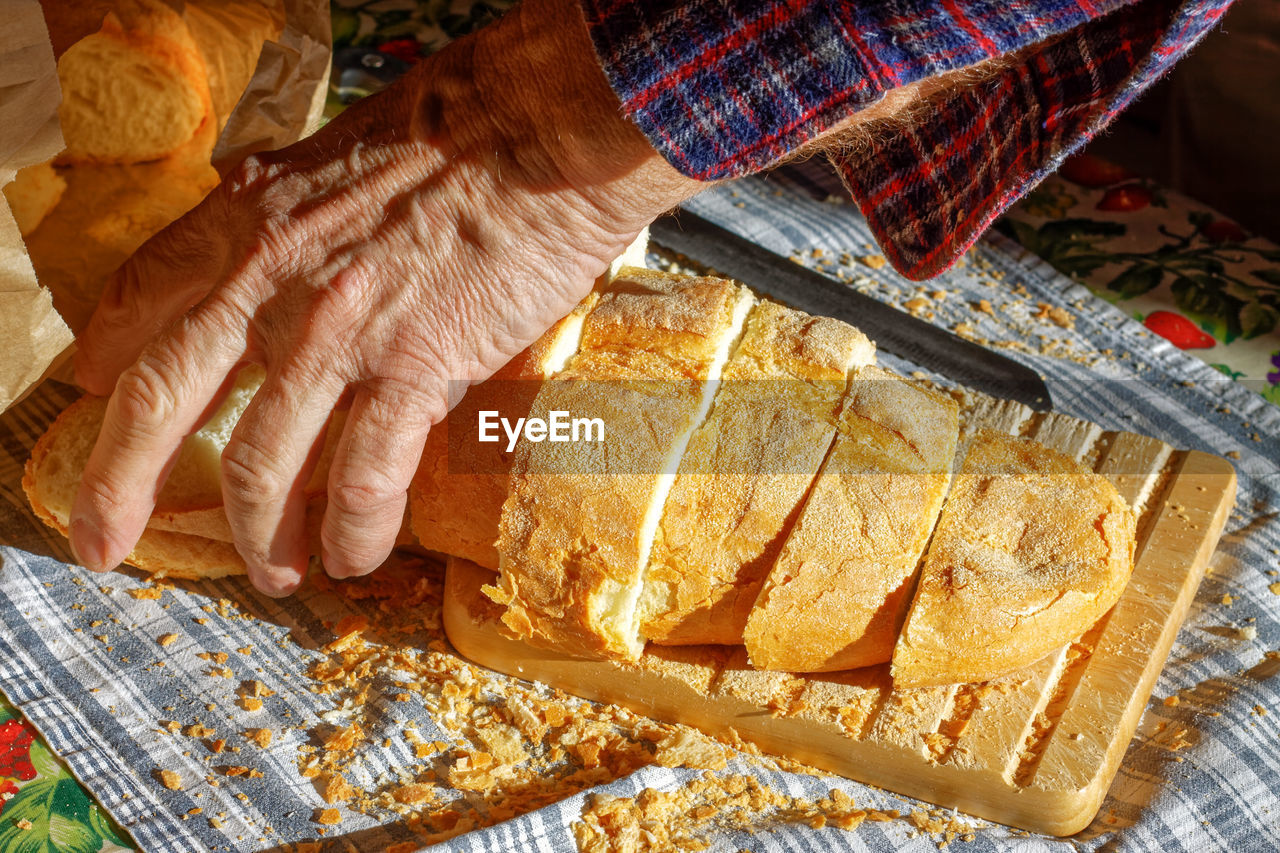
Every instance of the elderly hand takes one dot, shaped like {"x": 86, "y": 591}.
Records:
{"x": 426, "y": 235}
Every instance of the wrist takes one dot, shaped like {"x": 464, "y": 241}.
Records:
{"x": 549, "y": 101}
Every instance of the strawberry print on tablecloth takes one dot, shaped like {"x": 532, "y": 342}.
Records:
{"x": 1190, "y": 275}
{"x": 43, "y": 809}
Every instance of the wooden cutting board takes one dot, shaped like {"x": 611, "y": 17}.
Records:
{"x": 1035, "y": 750}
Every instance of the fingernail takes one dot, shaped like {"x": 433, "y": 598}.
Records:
{"x": 87, "y": 545}
{"x": 277, "y": 582}
{"x": 338, "y": 569}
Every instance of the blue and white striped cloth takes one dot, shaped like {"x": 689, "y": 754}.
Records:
{"x": 78, "y": 654}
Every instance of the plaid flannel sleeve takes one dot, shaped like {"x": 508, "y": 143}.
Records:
{"x": 727, "y": 87}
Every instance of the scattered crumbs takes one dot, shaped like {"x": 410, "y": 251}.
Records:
{"x": 328, "y": 817}
{"x": 874, "y": 261}
{"x": 1233, "y": 454}
{"x": 1228, "y": 599}
{"x": 680, "y": 819}
{"x": 334, "y": 788}
{"x": 169, "y": 779}
{"x": 1275, "y": 588}
{"x": 1058, "y": 316}
{"x": 261, "y": 737}
{"x": 1171, "y": 701}
{"x": 147, "y": 593}
{"x": 917, "y": 306}
{"x": 199, "y": 620}
{"x": 23, "y": 824}
{"x": 1259, "y": 710}
{"x": 167, "y": 639}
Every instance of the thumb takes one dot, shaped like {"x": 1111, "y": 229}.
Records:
{"x": 164, "y": 279}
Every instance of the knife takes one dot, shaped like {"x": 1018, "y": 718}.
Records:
{"x": 919, "y": 342}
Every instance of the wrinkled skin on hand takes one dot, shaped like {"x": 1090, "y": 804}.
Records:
{"x": 426, "y": 235}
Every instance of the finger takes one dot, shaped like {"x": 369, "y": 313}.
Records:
{"x": 265, "y": 469}
{"x": 369, "y": 477}
{"x": 163, "y": 280}
{"x": 157, "y": 402}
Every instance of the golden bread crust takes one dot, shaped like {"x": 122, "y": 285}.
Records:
{"x": 573, "y": 531}
{"x": 457, "y": 493}
{"x": 839, "y": 590}
{"x": 745, "y": 471}
{"x": 1031, "y": 549}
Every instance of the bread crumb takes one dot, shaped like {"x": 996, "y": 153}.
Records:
{"x": 343, "y": 739}
{"x": 261, "y": 737}
{"x": 335, "y": 789}
{"x": 328, "y": 817}
{"x": 874, "y": 261}
{"x": 690, "y": 748}
{"x": 146, "y": 593}
{"x": 1058, "y": 316}
{"x": 918, "y": 306}
{"x": 414, "y": 794}
{"x": 167, "y": 639}
{"x": 169, "y": 779}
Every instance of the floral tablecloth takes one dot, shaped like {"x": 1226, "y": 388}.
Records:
{"x": 1183, "y": 270}
{"x": 1187, "y": 273}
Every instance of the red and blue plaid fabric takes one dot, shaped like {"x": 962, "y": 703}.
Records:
{"x": 728, "y": 87}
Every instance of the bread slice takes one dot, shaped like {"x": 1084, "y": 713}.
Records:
{"x": 135, "y": 90}
{"x": 836, "y": 597}
{"x": 1031, "y": 549}
{"x": 457, "y": 493}
{"x": 106, "y": 212}
{"x": 746, "y": 470}
{"x": 32, "y": 193}
{"x": 580, "y": 517}
{"x": 189, "y": 505}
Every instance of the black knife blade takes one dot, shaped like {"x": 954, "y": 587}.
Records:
{"x": 919, "y": 342}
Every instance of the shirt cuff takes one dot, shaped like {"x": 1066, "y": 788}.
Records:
{"x": 723, "y": 88}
